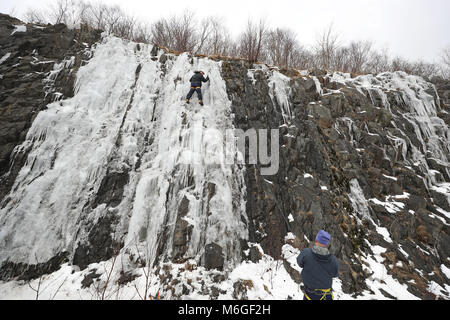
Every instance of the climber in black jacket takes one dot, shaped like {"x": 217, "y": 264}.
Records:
{"x": 196, "y": 85}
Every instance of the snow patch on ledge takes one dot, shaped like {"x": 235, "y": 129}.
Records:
{"x": 19, "y": 28}
{"x": 5, "y": 57}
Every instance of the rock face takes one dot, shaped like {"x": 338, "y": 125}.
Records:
{"x": 346, "y": 142}
{"x": 38, "y": 66}
{"x": 365, "y": 158}
{"x": 213, "y": 257}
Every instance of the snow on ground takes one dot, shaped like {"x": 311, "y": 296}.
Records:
{"x": 445, "y": 271}
{"x": 390, "y": 177}
{"x": 5, "y": 57}
{"x": 443, "y": 188}
{"x": 267, "y": 280}
{"x": 380, "y": 279}
{"x": 445, "y": 213}
{"x": 391, "y": 206}
{"x": 439, "y": 291}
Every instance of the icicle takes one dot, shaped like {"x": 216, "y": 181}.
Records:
{"x": 318, "y": 85}
{"x": 279, "y": 91}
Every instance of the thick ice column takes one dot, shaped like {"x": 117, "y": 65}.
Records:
{"x": 185, "y": 190}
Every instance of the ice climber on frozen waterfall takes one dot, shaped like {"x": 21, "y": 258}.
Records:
{"x": 319, "y": 269}
{"x": 196, "y": 85}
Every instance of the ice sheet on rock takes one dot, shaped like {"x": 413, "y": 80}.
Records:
{"x": 358, "y": 200}
{"x": 127, "y": 114}
{"x": 55, "y": 182}
{"x": 279, "y": 91}
{"x": 414, "y": 93}
{"x": 187, "y": 156}
{"x": 319, "y": 89}
{"x": 361, "y": 207}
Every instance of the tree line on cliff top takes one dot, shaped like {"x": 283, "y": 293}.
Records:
{"x": 257, "y": 42}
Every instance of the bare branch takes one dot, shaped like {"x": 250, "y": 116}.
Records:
{"x": 251, "y": 41}
{"x": 327, "y": 46}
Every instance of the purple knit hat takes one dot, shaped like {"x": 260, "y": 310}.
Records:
{"x": 323, "y": 237}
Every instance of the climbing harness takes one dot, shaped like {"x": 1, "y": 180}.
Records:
{"x": 323, "y": 292}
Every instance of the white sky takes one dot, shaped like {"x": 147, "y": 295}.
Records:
{"x": 414, "y": 29}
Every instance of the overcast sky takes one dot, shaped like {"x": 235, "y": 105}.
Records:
{"x": 414, "y": 29}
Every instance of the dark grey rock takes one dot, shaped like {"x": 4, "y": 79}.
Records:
{"x": 213, "y": 258}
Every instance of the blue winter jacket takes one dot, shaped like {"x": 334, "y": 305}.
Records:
{"x": 318, "y": 270}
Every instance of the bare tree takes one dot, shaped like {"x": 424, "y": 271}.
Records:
{"x": 104, "y": 17}
{"x": 230, "y": 47}
{"x": 219, "y": 41}
{"x": 341, "y": 59}
{"x": 176, "y": 33}
{"x": 71, "y": 16}
{"x": 252, "y": 40}
{"x": 33, "y": 15}
{"x": 203, "y": 34}
{"x": 125, "y": 27}
{"x": 37, "y": 289}
{"x": 256, "y": 43}
{"x": 183, "y": 32}
{"x": 73, "y": 13}
{"x": 303, "y": 58}
{"x": 400, "y": 64}
{"x": 445, "y": 58}
{"x": 378, "y": 62}
{"x": 108, "y": 17}
{"x": 84, "y": 9}
{"x": 424, "y": 69}
{"x": 143, "y": 33}
{"x": 326, "y": 47}
{"x": 12, "y": 12}
{"x": 419, "y": 68}
{"x": 59, "y": 11}
{"x": 281, "y": 46}
{"x": 160, "y": 33}
{"x": 359, "y": 53}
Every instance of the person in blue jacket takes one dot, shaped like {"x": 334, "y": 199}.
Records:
{"x": 196, "y": 85}
{"x": 319, "y": 269}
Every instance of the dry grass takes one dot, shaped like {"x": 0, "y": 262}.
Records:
{"x": 422, "y": 233}
{"x": 248, "y": 284}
